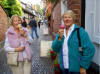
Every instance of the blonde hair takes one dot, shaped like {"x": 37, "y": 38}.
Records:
{"x": 11, "y": 20}
{"x": 70, "y": 12}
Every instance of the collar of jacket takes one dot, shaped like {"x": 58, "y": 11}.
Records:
{"x": 76, "y": 27}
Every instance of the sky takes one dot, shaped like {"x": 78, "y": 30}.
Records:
{"x": 31, "y": 1}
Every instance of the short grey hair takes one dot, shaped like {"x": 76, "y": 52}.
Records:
{"x": 71, "y": 13}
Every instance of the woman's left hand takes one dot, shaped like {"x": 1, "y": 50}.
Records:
{"x": 82, "y": 71}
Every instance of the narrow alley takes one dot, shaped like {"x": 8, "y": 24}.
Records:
{"x": 71, "y": 24}
{"x": 40, "y": 65}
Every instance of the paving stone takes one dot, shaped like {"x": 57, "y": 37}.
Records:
{"x": 41, "y": 65}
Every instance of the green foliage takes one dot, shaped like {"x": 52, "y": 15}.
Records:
{"x": 11, "y": 2}
{"x": 3, "y": 3}
{"x": 12, "y": 7}
{"x": 39, "y": 9}
{"x": 55, "y": 61}
{"x": 53, "y": 1}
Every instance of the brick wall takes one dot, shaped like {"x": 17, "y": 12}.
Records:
{"x": 75, "y": 5}
{"x": 56, "y": 17}
{"x": 3, "y": 23}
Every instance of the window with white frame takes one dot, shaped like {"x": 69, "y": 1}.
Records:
{"x": 96, "y": 27}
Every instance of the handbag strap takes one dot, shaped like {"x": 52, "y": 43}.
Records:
{"x": 78, "y": 35}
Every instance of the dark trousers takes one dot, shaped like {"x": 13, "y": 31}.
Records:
{"x": 67, "y": 72}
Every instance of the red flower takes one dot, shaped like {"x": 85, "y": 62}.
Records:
{"x": 58, "y": 65}
{"x": 53, "y": 57}
{"x": 55, "y": 65}
{"x": 52, "y": 52}
{"x": 57, "y": 72}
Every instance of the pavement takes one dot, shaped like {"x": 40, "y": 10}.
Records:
{"x": 40, "y": 65}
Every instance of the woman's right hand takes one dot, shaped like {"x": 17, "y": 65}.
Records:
{"x": 21, "y": 48}
{"x": 61, "y": 31}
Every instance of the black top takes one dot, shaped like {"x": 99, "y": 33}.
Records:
{"x": 33, "y": 23}
{"x": 24, "y": 24}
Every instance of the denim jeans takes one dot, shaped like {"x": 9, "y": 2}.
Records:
{"x": 67, "y": 72}
{"x": 34, "y": 29}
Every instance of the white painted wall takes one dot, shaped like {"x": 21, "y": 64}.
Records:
{"x": 92, "y": 25}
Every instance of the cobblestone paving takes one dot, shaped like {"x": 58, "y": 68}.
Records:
{"x": 40, "y": 65}
{"x": 4, "y": 68}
